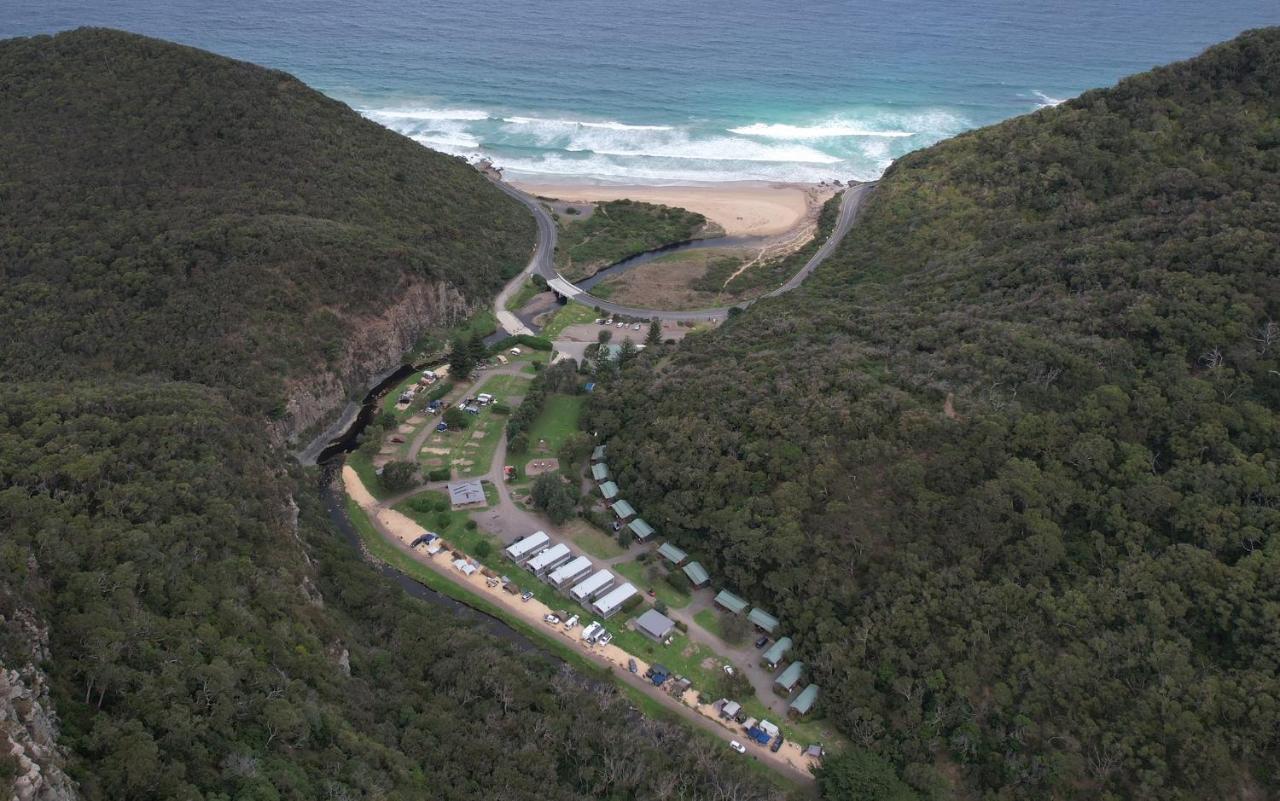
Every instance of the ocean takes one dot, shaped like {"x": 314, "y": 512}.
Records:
{"x": 650, "y": 92}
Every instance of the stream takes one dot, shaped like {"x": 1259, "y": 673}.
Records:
{"x": 639, "y": 259}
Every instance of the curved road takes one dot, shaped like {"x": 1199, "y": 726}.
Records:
{"x": 542, "y": 263}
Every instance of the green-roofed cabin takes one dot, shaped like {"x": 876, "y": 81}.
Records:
{"x": 763, "y": 620}
{"x": 730, "y": 602}
{"x": 671, "y": 553}
{"x": 804, "y": 701}
{"x": 697, "y": 574}
{"x": 600, "y": 471}
{"x": 598, "y": 454}
{"x": 609, "y": 490}
{"x": 641, "y": 529}
{"x": 623, "y": 510}
{"x": 789, "y": 678}
{"x": 776, "y": 653}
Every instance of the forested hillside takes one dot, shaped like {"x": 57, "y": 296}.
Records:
{"x": 182, "y": 234}
{"x": 169, "y": 211}
{"x": 1008, "y": 467}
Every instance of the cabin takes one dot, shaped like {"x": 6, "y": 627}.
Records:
{"x": 789, "y": 678}
{"x": 609, "y": 490}
{"x": 623, "y": 510}
{"x": 600, "y": 471}
{"x": 549, "y": 559}
{"x": 608, "y": 605}
{"x": 592, "y": 587}
{"x": 523, "y": 549}
{"x": 597, "y": 455}
{"x": 763, "y": 620}
{"x": 641, "y": 529}
{"x": 774, "y": 656}
{"x": 730, "y": 602}
{"x": 570, "y": 572}
{"x": 804, "y": 702}
{"x": 655, "y": 625}
{"x": 698, "y": 575}
{"x": 671, "y": 553}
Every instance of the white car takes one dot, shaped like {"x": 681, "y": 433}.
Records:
{"x": 622, "y": 325}
{"x": 737, "y": 746}
{"x": 728, "y": 669}
{"x": 570, "y": 623}
{"x": 599, "y": 321}
{"x": 635, "y": 327}
{"x": 552, "y": 619}
{"x": 604, "y": 639}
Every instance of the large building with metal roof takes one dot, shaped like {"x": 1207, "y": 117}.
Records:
{"x": 607, "y": 605}
{"x": 570, "y": 572}
{"x": 550, "y": 559}
{"x": 524, "y": 548}
{"x": 592, "y": 586}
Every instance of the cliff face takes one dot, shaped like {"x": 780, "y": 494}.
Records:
{"x": 376, "y": 346}
{"x": 31, "y": 762}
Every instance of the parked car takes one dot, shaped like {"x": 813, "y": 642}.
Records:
{"x": 728, "y": 669}
{"x": 635, "y": 327}
{"x": 737, "y": 746}
{"x": 762, "y": 642}
{"x": 528, "y": 596}
{"x": 777, "y": 744}
{"x": 599, "y": 321}
{"x": 442, "y": 426}
{"x": 631, "y": 665}
{"x": 570, "y": 623}
{"x": 605, "y": 638}
{"x": 622, "y": 325}
{"x": 552, "y": 619}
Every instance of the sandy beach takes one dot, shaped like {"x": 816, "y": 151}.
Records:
{"x": 741, "y": 208}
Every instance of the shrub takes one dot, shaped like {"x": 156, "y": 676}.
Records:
{"x": 471, "y": 525}
{"x": 632, "y": 602}
{"x": 682, "y": 626}
{"x": 440, "y": 474}
{"x": 483, "y": 548}
{"x": 679, "y": 581}
{"x": 399, "y": 476}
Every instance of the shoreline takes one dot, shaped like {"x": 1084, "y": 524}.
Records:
{"x": 741, "y": 208}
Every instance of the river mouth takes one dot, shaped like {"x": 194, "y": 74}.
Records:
{"x": 631, "y": 262}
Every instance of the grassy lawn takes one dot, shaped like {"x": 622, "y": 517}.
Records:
{"x": 450, "y": 524}
{"x": 569, "y": 314}
{"x": 526, "y": 293}
{"x": 635, "y": 573}
{"x": 558, "y": 420}
{"x": 709, "y": 620}
{"x": 592, "y": 540}
{"x": 467, "y": 454}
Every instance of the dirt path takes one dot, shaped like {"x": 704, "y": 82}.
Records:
{"x": 400, "y": 531}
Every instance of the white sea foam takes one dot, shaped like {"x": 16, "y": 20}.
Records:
{"x": 826, "y": 130}
{"x": 447, "y": 142}
{"x": 425, "y": 114}
{"x": 608, "y": 125}
{"x": 1045, "y": 101}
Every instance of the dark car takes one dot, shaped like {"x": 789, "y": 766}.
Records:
{"x": 631, "y": 665}
{"x": 777, "y": 744}
{"x": 442, "y": 426}
{"x": 762, "y": 642}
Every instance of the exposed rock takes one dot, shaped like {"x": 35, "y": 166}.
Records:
{"x": 28, "y": 722}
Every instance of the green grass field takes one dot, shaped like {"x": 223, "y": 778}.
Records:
{"x": 635, "y": 573}
{"x": 709, "y": 620}
{"x": 558, "y": 420}
{"x": 569, "y": 314}
{"x": 592, "y": 540}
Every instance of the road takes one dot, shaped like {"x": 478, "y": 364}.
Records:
{"x": 542, "y": 263}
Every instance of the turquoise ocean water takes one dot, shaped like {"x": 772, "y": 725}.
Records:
{"x": 640, "y": 91}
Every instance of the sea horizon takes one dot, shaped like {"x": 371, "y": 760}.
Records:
{"x": 639, "y": 93}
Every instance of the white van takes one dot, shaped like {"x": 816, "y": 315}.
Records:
{"x": 590, "y": 632}
{"x": 570, "y": 623}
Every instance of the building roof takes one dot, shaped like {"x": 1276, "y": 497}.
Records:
{"x": 527, "y": 545}
{"x": 697, "y": 573}
{"x": 655, "y": 624}
{"x": 615, "y": 597}
{"x": 592, "y": 584}
{"x": 570, "y": 570}
{"x": 464, "y": 492}
{"x": 550, "y": 557}
{"x": 623, "y": 509}
{"x": 730, "y": 601}
{"x": 640, "y": 528}
{"x": 763, "y": 619}
{"x": 804, "y": 701}
{"x": 598, "y": 453}
{"x": 609, "y": 490}
{"x": 671, "y": 553}
{"x": 599, "y": 471}
{"x": 791, "y": 675}
{"x": 778, "y": 650}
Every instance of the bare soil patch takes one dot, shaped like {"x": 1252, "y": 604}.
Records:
{"x": 539, "y": 466}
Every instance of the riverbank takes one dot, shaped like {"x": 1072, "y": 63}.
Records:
{"x": 742, "y": 208}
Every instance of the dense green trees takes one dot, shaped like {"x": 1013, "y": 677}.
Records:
{"x": 552, "y": 496}
{"x": 621, "y": 228}
{"x": 1008, "y": 466}
{"x": 181, "y": 238}
{"x": 169, "y": 211}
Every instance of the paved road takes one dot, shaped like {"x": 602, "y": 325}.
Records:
{"x": 542, "y": 263}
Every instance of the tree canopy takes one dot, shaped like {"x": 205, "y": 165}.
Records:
{"x": 1008, "y": 465}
